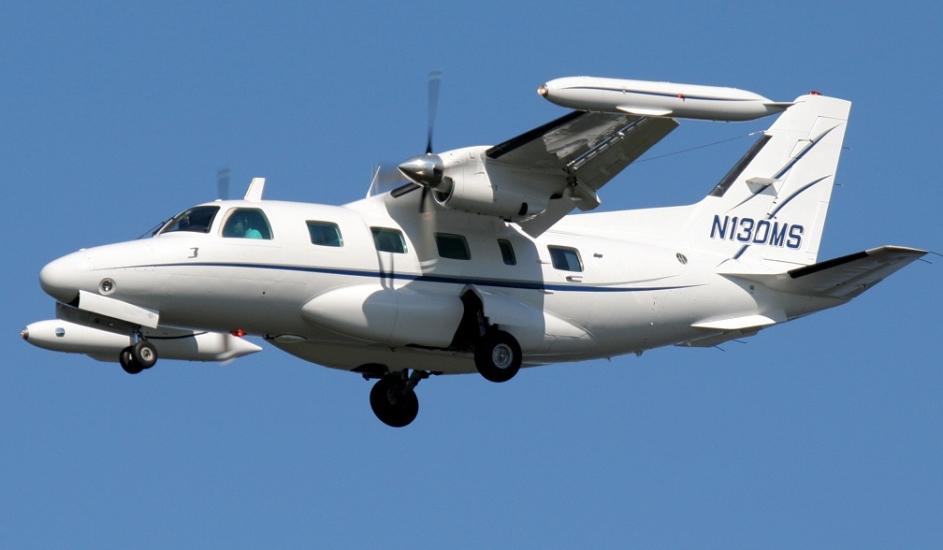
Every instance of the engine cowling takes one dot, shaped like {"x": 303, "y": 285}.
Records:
{"x": 473, "y": 183}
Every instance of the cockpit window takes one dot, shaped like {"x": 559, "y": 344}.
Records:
{"x": 247, "y": 223}
{"x": 197, "y": 220}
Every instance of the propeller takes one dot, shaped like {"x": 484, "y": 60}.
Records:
{"x": 426, "y": 170}
{"x": 222, "y": 183}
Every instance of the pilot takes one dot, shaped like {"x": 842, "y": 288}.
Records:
{"x": 242, "y": 227}
{"x": 252, "y": 233}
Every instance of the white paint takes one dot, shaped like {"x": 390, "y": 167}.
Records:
{"x": 352, "y": 305}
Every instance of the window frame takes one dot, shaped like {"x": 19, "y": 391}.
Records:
{"x": 456, "y": 237}
{"x": 402, "y": 239}
{"x": 579, "y": 259}
{"x": 324, "y": 223}
{"x": 233, "y": 211}
{"x": 209, "y": 228}
{"x": 507, "y": 248}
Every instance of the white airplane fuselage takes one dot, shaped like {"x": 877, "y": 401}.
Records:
{"x": 631, "y": 295}
{"x": 474, "y": 264}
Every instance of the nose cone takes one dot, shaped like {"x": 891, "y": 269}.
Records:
{"x": 61, "y": 278}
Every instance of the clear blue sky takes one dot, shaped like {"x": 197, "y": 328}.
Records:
{"x": 824, "y": 433}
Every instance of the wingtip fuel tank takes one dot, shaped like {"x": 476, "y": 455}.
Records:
{"x": 661, "y": 99}
{"x": 65, "y": 336}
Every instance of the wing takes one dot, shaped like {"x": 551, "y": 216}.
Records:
{"x": 586, "y": 150}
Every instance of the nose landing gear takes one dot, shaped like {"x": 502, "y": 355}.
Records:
{"x": 136, "y": 358}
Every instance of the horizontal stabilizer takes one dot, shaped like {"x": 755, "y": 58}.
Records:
{"x": 844, "y": 277}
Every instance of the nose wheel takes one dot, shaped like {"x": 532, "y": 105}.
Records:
{"x": 393, "y": 398}
{"x": 136, "y": 358}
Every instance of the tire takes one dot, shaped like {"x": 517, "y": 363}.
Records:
{"x": 498, "y": 356}
{"x": 128, "y": 364}
{"x": 392, "y": 405}
{"x": 145, "y": 354}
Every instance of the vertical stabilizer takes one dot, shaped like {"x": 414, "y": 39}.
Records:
{"x": 771, "y": 205}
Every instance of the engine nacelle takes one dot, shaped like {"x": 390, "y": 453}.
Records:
{"x": 473, "y": 183}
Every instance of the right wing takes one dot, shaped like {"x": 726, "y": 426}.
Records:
{"x": 584, "y": 150}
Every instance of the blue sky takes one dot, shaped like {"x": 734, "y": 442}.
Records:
{"x": 821, "y": 433}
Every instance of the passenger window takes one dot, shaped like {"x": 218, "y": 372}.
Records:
{"x": 507, "y": 252}
{"x": 452, "y": 246}
{"x": 325, "y": 234}
{"x": 388, "y": 240}
{"x": 247, "y": 223}
{"x": 196, "y": 220}
{"x": 565, "y": 259}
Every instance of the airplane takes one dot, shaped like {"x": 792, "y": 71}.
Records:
{"x": 468, "y": 260}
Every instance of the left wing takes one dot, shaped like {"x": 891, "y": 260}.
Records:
{"x": 587, "y": 149}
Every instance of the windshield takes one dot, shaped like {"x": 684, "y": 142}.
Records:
{"x": 198, "y": 219}
{"x": 154, "y": 229}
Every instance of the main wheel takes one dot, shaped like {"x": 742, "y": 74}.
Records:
{"x": 128, "y": 364}
{"x": 393, "y": 404}
{"x": 498, "y": 356}
{"x": 144, "y": 353}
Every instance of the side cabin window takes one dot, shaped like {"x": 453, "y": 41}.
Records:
{"x": 507, "y": 252}
{"x": 325, "y": 234}
{"x": 452, "y": 246}
{"x": 565, "y": 258}
{"x": 388, "y": 240}
{"x": 196, "y": 220}
{"x": 247, "y": 223}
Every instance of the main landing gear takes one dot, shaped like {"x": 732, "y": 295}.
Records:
{"x": 393, "y": 398}
{"x": 497, "y": 356}
{"x": 140, "y": 356}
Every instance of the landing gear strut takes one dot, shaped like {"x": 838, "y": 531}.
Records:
{"x": 140, "y": 356}
{"x": 394, "y": 400}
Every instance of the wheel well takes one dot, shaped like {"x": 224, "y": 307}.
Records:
{"x": 473, "y": 325}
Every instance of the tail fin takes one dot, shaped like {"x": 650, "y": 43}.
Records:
{"x": 772, "y": 204}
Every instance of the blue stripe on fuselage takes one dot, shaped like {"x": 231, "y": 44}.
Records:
{"x": 449, "y": 279}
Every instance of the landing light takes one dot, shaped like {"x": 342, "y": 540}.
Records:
{"x": 239, "y": 332}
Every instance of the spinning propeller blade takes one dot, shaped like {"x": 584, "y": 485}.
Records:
{"x": 426, "y": 170}
{"x": 435, "y": 82}
{"x": 222, "y": 183}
